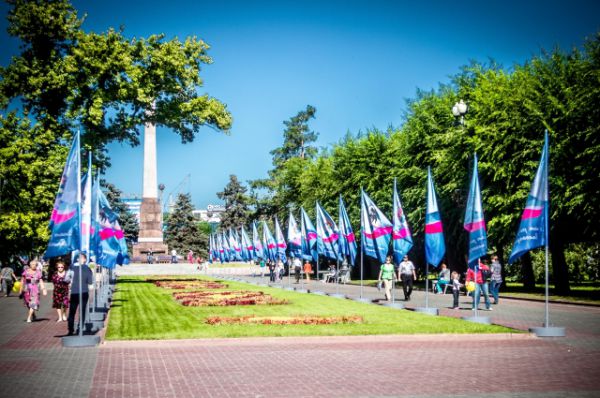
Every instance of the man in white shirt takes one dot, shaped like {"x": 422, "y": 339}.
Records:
{"x": 297, "y": 268}
{"x": 408, "y": 276}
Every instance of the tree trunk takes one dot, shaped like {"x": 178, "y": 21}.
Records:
{"x": 560, "y": 269}
{"x": 527, "y": 270}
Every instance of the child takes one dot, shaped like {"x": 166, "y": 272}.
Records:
{"x": 456, "y": 285}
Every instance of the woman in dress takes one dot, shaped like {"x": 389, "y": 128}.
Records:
{"x": 60, "y": 295}
{"x": 31, "y": 284}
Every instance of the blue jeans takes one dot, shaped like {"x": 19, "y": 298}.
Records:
{"x": 495, "y": 289}
{"x": 479, "y": 287}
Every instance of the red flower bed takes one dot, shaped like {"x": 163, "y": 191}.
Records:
{"x": 283, "y": 320}
{"x": 188, "y": 284}
{"x": 225, "y": 298}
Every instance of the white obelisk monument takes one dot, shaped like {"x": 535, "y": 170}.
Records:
{"x": 150, "y": 236}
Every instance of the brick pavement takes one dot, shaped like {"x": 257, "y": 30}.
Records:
{"x": 340, "y": 366}
{"x": 32, "y": 359}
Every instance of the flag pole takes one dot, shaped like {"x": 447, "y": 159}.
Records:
{"x": 547, "y": 330}
{"x": 80, "y": 320}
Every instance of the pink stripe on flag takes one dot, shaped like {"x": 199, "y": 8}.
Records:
{"x": 379, "y": 232}
{"x": 331, "y": 238}
{"x": 531, "y": 212}
{"x": 271, "y": 246}
{"x": 350, "y": 237}
{"x": 106, "y": 233}
{"x": 311, "y": 236}
{"x": 403, "y": 233}
{"x": 58, "y": 218}
{"x": 475, "y": 226}
{"x": 281, "y": 245}
{"x": 434, "y": 228}
{"x": 119, "y": 234}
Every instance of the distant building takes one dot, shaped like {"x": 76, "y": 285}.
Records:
{"x": 134, "y": 204}
{"x": 211, "y": 214}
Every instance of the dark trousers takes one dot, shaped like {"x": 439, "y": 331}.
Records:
{"x": 272, "y": 274}
{"x": 8, "y": 285}
{"x": 73, "y": 304}
{"x": 455, "y": 294}
{"x": 297, "y": 269}
{"x": 407, "y": 285}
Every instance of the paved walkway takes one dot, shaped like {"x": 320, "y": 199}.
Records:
{"x": 344, "y": 366}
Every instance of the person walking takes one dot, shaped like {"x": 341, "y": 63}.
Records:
{"x": 60, "y": 293}
{"x": 173, "y": 256}
{"x": 297, "y": 268}
{"x": 263, "y": 265}
{"x": 307, "y": 270}
{"x": 408, "y": 276}
{"x": 443, "y": 279}
{"x": 81, "y": 278}
{"x": 481, "y": 285}
{"x": 271, "y": 266}
{"x": 455, "y": 289}
{"x": 8, "y": 277}
{"x": 386, "y": 274}
{"x": 496, "y": 278}
{"x": 190, "y": 257}
{"x": 31, "y": 285}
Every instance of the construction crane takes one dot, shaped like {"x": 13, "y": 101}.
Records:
{"x": 182, "y": 187}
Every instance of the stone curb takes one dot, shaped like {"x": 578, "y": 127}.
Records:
{"x": 312, "y": 340}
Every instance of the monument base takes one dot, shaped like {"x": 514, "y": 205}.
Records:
{"x": 142, "y": 248}
{"x": 150, "y": 235}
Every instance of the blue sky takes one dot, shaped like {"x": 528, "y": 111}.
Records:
{"x": 357, "y": 62}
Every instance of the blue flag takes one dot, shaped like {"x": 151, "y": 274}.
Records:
{"x": 309, "y": 237}
{"x": 86, "y": 208}
{"x": 533, "y": 230}
{"x": 435, "y": 248}
{"x": 226, "y": 248}
{"x": 280, "y": 242}
{"x": 65, "y": 218}
{"x": 376, "y": 229}
{"x": 347, "y": 239}
{"x": 327, "y": 234}
{"x": 294, "y": 238}
{"x": 269, "y": 243}
{"x": 258, "y": 245}
{"x": 474, "y": 221}
{"x": 247, "y": 246}
{"x": 108, "y": 245}
{"x": 401, "y": 237}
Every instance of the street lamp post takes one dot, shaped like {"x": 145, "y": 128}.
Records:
{"x": 460, "y": 109}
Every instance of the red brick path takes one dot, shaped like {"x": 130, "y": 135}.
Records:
{"x": 344, "y": 367}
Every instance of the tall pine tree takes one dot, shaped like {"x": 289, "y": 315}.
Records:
{"x": 183, "y": 232}
{"x": 236, "y": 204}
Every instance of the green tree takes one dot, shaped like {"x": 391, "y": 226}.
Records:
{"x": 183, "y": 232}
{"x": 236, "y": 204}
{"x": 104, "y": 83}
{"x": 30, "y": 170}
{"x": 274, "y": 194}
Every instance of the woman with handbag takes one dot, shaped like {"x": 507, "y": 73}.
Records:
{"x": 480, "y": 278}
{"x": 60, "y": 293}
{"x": 31, "y": 285}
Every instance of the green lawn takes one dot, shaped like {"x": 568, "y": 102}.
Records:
{"x": 143, "y": 311}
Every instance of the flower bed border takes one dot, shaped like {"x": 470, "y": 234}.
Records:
{"x": 297, "y": 320}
